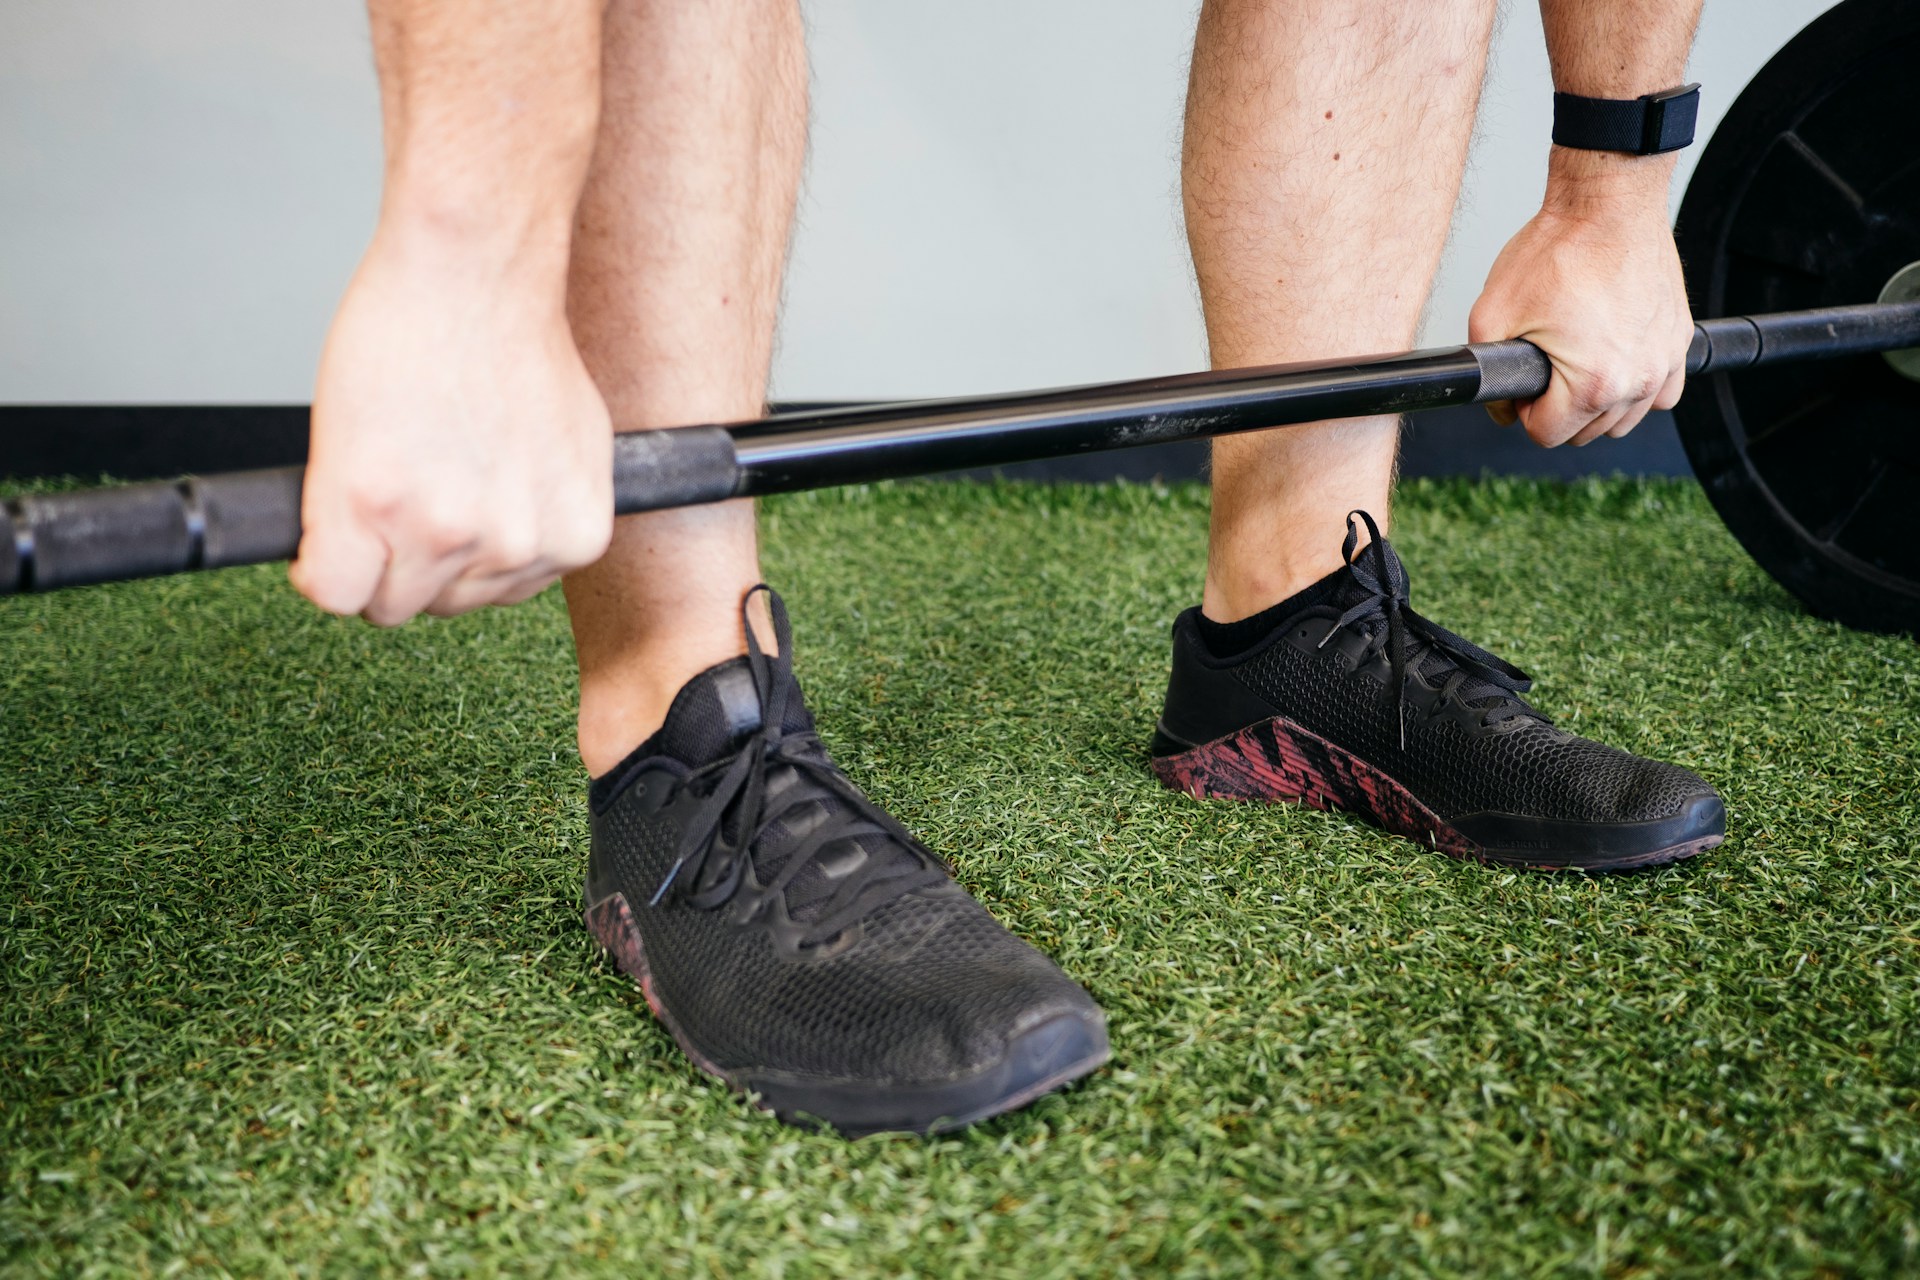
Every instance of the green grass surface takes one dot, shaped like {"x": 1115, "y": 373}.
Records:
{"x": 294, "y": 978}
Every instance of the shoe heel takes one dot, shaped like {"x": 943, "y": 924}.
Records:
{"x": 610, "y": 921}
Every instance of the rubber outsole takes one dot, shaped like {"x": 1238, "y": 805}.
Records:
{"x": 1279, "y": 762}
{"x": 1040, "y": 1059}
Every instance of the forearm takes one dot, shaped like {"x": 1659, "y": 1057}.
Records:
{"x": 490, "y": 110}
{"x": 1614, "y": 49}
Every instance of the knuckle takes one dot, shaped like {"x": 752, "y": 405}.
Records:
{"x": 1601, "y": 390}
{"x": 334, "y": 574}
{"x": 582, "y": 540}
{"x": 530, "y": 589}
{"x": 1551, "y": 430}
{"x": 524, "y": 588}
{"x": 512, "y": 546}
{"x": 443, "y": 531}
{"x": 377, "y": 502}
{"x": 1591, "y": 401}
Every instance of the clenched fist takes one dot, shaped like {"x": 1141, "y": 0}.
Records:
{"x": 1600, "y": 291}
{"x": 461, "y": 455}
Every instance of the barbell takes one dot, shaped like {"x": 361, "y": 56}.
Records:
{"x": 244, "y": 517}
{"x": 1797, "y": 203}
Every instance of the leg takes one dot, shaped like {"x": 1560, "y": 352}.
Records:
{"x": 796, "y": 942}
{"x": 1324, "y": 149}
{"x": 1323, "y": 154}
{"x": 679, "y": 243}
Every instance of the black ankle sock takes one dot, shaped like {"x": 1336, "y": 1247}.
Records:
{"x": 1224, "y": 639}
{"x": 602, "y": 790}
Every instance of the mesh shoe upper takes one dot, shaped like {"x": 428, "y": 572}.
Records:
{"x": 789, "y": 924}
{"x": 1446, "y": 719}
{"x": 1524, "y": 766}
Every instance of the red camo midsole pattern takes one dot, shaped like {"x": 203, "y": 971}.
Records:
{"x": 611, "y": 923}
{"x": 1278, "y": 760}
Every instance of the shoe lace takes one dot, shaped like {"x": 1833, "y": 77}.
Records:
{"x": 1407, "y": 639}
{"x": 744, "y": 802}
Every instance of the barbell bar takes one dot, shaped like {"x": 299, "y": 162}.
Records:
{"x": 122, "y": 532}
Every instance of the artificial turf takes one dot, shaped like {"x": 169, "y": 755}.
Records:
{"x": 294, "y": 977}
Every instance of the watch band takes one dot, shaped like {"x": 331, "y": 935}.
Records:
{"x": 1645, "y": 126}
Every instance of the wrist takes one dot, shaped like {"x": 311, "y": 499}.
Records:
{"x": 1587, "y": 185}
{"x": 504, "y": 210}
{"x": 443, "y": 232}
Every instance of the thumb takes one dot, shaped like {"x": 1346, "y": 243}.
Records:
{"x": 339, "y": 565}
{"x": 1503, "y": 412}
{"x": 1485, "y": 325}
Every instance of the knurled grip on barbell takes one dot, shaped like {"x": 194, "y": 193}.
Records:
{"x": 137, "y": 531}
{"x": 247, "y": 517}
{"x": 101, "y": 535}
{"x": 1513, "y": 370}
{"x": 252, "y": 517}
{"x": 675, "y": 467}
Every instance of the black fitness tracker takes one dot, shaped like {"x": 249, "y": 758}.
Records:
{"x": 1645, "y": 126}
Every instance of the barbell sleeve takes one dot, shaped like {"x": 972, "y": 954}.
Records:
{"x": 249, "y": 517}
{"x": 1742, "y": 342}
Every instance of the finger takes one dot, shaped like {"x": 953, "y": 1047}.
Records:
{"x": 1600, "y": 426}
{"x": 475, "y": 591}
{"x": 339, "y": 564}
{"x": 1618, "y": 423}
{"x": 409, "y": 586}
{"x": 1554, "y": 418}
{"x": 1632, "y": 418}
{"x": 528, "y": 590}
{"x": 1672, "y": 389}
{"x": 1502, "y": 412}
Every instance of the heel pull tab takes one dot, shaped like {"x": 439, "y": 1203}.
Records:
{"x": 739, "y": 700}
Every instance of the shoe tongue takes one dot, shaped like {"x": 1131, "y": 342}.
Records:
{"x": 708, "y": 720}
{"x": 1435, "y": 665}
{"x": 718, "y": 708}
{"x": 809, "y": 892}
{"x": 1360, "y": 579}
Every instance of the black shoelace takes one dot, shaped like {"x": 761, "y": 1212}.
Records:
{"x": 1406, "y": 636}
{"x": 745, "y": 797}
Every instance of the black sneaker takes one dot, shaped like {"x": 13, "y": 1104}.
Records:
{"x": 1344, "y": 698}
{"x": 799, "y": 944}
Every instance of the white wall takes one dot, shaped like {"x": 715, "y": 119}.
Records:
{"x": 185, "y": 184}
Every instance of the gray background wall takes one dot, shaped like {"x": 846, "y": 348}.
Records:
{"x": 991, "y": 202}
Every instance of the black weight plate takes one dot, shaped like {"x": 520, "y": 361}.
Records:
{"x": 1809, "y": 196}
